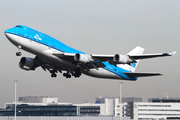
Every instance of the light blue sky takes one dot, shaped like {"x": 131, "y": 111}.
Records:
{"x": 94, "y": 26}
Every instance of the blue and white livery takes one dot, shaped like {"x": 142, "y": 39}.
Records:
{"x": 54, "y": 56}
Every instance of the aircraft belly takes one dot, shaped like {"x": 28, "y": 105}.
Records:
{"x": 102, "y": 73}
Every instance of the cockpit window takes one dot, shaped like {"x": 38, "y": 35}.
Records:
{"x": 19, "y": 26}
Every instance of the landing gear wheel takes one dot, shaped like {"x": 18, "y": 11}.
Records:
{"x": 53, "y": 75}
{"x": 77, "y": 74}
{"x": 67, "y": 75}
{"x": 51, "y": 71}
{"x": 64, "y": 74}
{"x": 18, "y": 53}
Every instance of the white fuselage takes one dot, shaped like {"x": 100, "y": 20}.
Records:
{"x": 44, "y": 52}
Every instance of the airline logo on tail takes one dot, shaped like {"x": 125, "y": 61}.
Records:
{"x": 133, "y": 65}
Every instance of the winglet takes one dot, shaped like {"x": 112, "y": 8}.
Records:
{"x": 172, "y": 53}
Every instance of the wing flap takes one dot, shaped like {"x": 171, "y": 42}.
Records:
{"x": 141, "y": 74}
{"x": 102, "y": 57}
{"x": 95, "y": 64}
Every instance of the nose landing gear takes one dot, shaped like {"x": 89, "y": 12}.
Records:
{"x": 19, "y": 53}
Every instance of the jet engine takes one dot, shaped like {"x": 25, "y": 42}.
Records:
{"x": 26, "y": 63}
{"x": 122, "y": 59}
{"x": 84, "y": 58}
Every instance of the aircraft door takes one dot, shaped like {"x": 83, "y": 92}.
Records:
{"x": 49, "y": 45}
{"x": 30, "y": 38}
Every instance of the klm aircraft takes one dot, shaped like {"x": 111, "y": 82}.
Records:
{"x": 54, "y": 56}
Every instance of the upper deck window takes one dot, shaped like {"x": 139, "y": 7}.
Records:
{"x": 19, "y": 26}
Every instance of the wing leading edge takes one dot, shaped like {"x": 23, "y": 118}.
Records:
{"x": 132, "y": 57}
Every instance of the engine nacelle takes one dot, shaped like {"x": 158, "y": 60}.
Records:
{"x": 26, "y": 63}
{"x": 122, "y": 59}
{"x": 84, "y": 58}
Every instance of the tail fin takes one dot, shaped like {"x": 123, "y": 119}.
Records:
{"x": 137, "y": 50}
{"x": 132, "y": 67}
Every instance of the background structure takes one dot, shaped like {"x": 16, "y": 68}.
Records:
{"x": 93, "y": 26}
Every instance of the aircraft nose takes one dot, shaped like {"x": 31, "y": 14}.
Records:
{"x": 9, "y": 34}
{"x": 6, "y": 34}
{"x": 7, "y": 31}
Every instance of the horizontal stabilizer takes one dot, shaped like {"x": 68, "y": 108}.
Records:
{"x": 146, "y": 56}
{"x": 141, "y": 74}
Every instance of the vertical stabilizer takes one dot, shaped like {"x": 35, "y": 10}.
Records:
{"x": 132, "y": 66}
{"x": 136, "y": 51}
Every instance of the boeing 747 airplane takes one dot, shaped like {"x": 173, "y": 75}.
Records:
{"x": 54, "y": 56}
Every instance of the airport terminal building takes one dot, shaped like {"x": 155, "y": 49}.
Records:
{"x": 133, "y": 108}
{"x": 48, "y": 106}
{"x": 147, "y": 110}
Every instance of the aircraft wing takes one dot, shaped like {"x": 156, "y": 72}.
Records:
{"x": 146, "y": 56}
{"x": 134, "y": 57}
{"x": 110, "y": 58}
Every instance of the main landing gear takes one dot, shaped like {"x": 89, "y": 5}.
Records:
{"x": 67, "y": 75}
{"x": 76, "y": 74}
{"x": 53, "y": 73}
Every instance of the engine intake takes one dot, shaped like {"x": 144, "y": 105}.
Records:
{"x": 84, "y": 58}
{"x": 120, "y": 59}
{"x": 26, "y": 63}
